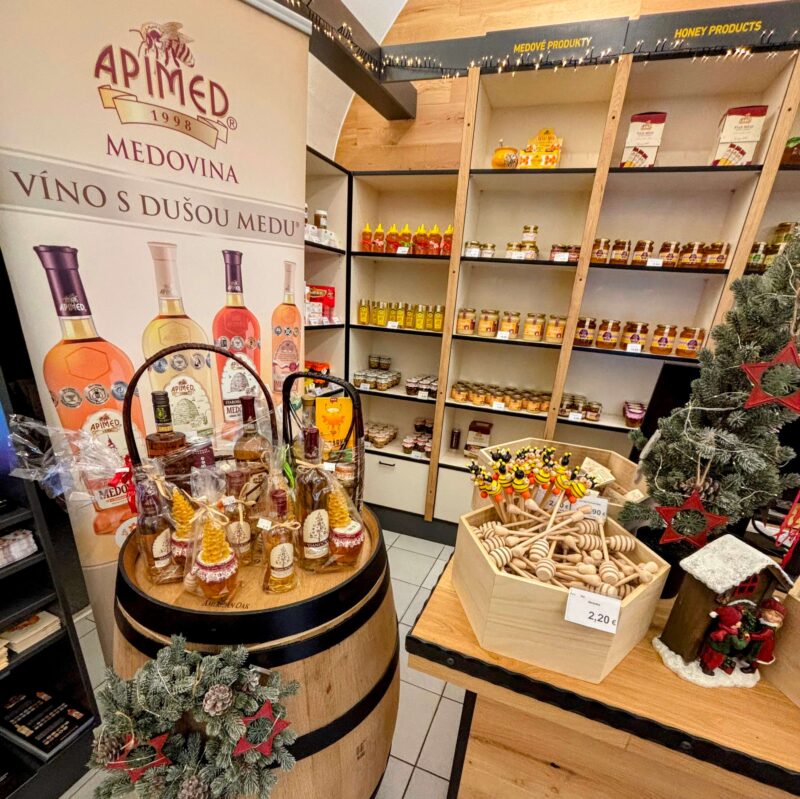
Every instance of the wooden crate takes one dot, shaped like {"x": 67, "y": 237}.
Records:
{"x": 785, "y": 671}
{"x": 622, "y": 468}
{"x": 524, "y": 619}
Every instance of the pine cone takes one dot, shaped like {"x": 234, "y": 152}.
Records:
{"x": 708, "y": 490}
{"x": 156, "y": 787}
{"x": 106, "y": 747}
{"x": 193, "y": 787}
{"x": 251, "y": 681}
{"x": 217, "y": 700}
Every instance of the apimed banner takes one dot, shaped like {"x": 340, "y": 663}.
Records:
{"x": 152, "y": 162}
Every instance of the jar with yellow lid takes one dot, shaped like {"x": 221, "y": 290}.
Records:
{"x": 488, "y": 323}
{"x": 585, "y": 331}
{"x": 514, "y": 251}
{"x": 608, "y": 332}
{"x": 529, "y": 233}
{"x": 771, "y": 252}
{"x": 472, "y": 249}
{"x": 505, "y": 157}
{"x": 534, "y": 327}
{"x": 466, "y": 322}
{"x": 363, "y": 312}
{"x": 487, "y": 250}
{"x": 509, "y": 323}
{"x": 620, "y": 252}
{"x": 663, "y": 339}
{"x": 554, "y": 332}
{"x": 530, "y": 251}
{"x": 392, "y": 312}
{"x": 690, "y": 342}
{"x": 634, "y": 336}
{"x": 716, "y": 254}
{"x": 691, "y": 255}
{"x": 438, "y": 318}
{"x": 755, "y": 261}
{"x": 642, "y": 252}
{"x": 401, "y": 314}
{"x": 380, "y": 314}
{"x": 669, "y": 254}
{"x": 782, "y": 233}
{"x": 600, "y": 251}
{"x": 419, "y": 317}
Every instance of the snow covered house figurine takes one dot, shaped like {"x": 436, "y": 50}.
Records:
{"x": 726, "y": 575}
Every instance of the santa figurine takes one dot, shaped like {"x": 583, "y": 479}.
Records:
{"x": 760, "y": 650}
{"x": 724, "y": 641}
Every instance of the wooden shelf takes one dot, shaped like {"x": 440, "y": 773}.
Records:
{"x": 15, "y": 660}
{"x": 19, "y": 565}
{"x": 518, "y": 342}
{"x": 660, "y": 170}
{"x": 607, "y": 421}
{"x": 517, "y": 262}
{"x": 395, "y": 393}
{"x": 313, "y": 246}
{"x": 16, "y": 608}
{"x": 394, "y": 256}
{"x": 488, "y": 409}
{"x": 566, "y": 179}
{"x": 14, "y": 517}
{"x": 659, "y": 270}
{"x": 645, "y": 356}
{"x": 456, "y": 461}
{"x": 337, "y": 326}
{"x": 395, "y": 450}
{"x": 401, "y": 330}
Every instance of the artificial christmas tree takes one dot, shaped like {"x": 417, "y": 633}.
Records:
{"x": 722, "y": 444}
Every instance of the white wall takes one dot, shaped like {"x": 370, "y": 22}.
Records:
{"x": 328, "y": 97}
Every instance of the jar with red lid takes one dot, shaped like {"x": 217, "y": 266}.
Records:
{"x": 690, "y": 342}
{"x": 634, "y": 336}
{"x": 600, "y": 251}
{"x": 573, "y": 253}
{"x": 585, "y": 331}
{"x": 716, "y": 255}
{"x": 642, "y": 252}
{"x": 559, "y": 252}
{"x": 692, "y": 254}
{"x": 669, "y": 254}
{"x": 608, "y": 332}
{"x": 663, "y": 339}
{"x": 620, "y": 252}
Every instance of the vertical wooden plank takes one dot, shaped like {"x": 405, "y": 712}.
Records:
{"x": 772, "y": 161}
{"x": 465, "y": 162}
{"x": 587, "y": 240}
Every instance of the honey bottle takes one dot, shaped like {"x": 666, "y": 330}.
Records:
{"x": 347, "y": 533}
{"x": 280, "y": 574}
{"x": 447, "y": 240}
{"x": 420, "y": 241}
{"x": 392, "y": 239}
{"x": 435, "y": 241}
{"x": 379, "y": 239}
{"x": 366, "y": 238}
{"x": 405, "y": 239}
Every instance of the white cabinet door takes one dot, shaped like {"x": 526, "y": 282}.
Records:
{"x": 453, "y": 495}
{"x": 395, "y": 483}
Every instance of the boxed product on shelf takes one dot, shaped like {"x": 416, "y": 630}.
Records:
{"x": 739, "y": 133}
{"x": 15, "y": 546}
{"x": 525, "y": 618}
{"x": 643, "y": 140}
{"x": 323, "y": 369}
{"x": 325, "y": 296}
{"x": 479, "y": 435}
{"x": 28, "y": 632}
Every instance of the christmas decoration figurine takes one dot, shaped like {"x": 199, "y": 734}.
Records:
{"x": 723, "y": 623}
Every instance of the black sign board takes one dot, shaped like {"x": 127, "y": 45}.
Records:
{"x": 763, "y": 25}
{"x": 550, "y": 45}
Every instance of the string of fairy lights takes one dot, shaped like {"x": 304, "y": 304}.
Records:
{"x": 511, "y": 62}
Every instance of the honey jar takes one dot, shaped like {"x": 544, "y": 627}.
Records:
{"x": 514, "y": 251}
{"x": 692, "y": 254}
{"x": 488, "y": 323}
{"x": 620, "y": 252}
{"x": 411, "y": 312}
{"x": 663, "y": 339}
{"x": 716, "y": 255}
{"x": 534, "y": 327}
{"x": 755, "y": 261}
{"x": 601, "y": 250}
{"x": 554, "y": 332}
{"x": 428, "y": 317}
{"x": 669, "y": 254}
{"x": 487, "y": 250}
{"x": 505, "y": 157}
{"x": 419, "y": 317}
{"x": 585, "y": 331}
{"x": 465, "y": 321}
{"x": 690, "y": 341}
{"x": 401, "y": 314}
{"x": 380, "y": 314}
{"x": 529, "y": 233}
{"x": 530, "y": 251}
{"x": 642, "y": 252}
{"x": 472, "y": 249}
{"x": 509, "y": 323}
{"x": 559, "y": 252}
{"x": 573, "y": 253}
{"x": 608, "y": 334}
{"x": 459, "y": 392}
{"x": 363, "y": 312}
{"x": 593, "y": 411}
{"x": 783, "y": 232}
{"x": 477, "y": 396}
{"x": 634, "y": 336}
{"x": 771, "y": 252}
{"x": 438, "y": 318}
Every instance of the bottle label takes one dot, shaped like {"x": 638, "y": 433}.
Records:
{"x": 236, "y": 382}
{"x": 106, "y": 427}
{"x": 348, "y": 537}
{"x": 285, "y": 360}
{"x": 191, "y": 408}
{"x": 161, "y": 549}
{"x": 316, "y": 531}
{"x": 238, "y": 535}
{"x": 281, "y": 561}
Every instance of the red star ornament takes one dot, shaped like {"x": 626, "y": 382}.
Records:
{"x": 755, "y": 373}
{"x": 694, "y": 502}
{"x": 136, "y": 772}
{"x": 265, "y": 747}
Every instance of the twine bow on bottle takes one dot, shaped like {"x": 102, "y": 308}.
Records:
{"x": 208, "y": 510}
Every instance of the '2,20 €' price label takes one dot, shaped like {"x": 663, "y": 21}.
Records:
{"x": 593, "y": 610}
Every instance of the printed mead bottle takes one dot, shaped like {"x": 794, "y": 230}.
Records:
{"x": 236, "y": 329}
{"x": 186, "y": 375}
{"x": 87, "y": 377}
{"x": 286, "y": 326}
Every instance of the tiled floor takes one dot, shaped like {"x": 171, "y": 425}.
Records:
{"x": 430, "y": 710}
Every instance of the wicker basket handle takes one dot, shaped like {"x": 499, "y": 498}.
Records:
{"x": 129, "y": 394}
{"x": 356, "y": 425}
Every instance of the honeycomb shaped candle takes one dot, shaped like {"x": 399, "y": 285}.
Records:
{"x": 215, "y": 545}
{"x": 182, "y": 513}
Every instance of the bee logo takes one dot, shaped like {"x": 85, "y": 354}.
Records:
{"x": 165, "y": 41}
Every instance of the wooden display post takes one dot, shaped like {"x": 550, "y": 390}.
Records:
{"x": 642, "y": 731}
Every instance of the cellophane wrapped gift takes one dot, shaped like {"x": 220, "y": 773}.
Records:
{"x": 155, "y": 528}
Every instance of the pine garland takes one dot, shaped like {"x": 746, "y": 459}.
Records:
{"x": 167, "y": 695}
{"x": 731, "y": 455}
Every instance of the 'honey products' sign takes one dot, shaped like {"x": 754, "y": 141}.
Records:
{"x": 768, "y": 24}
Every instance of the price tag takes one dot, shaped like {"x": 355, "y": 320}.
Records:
{"x": 327, "y": 466}
{"x": 363, "y": 386}
{"x": 561, "y": 257}
{"x": 633, "y": 348}
{"x": 264, "y": 524}
{"x": 575, "y": 416}
{"x": 655, "y": 262}
{"x": 403, "y": 250}
{"x": 417, "y": 455}
{"x": 422, "y": 394}
{"x": 228, "y": 500}
{"x": 392, "y": 325}
{"x": 498, "y": 406}
{"x": 593, "y": 610}
{"x": 598, "y": 505}
{"x": 517, "y": 256}
{"x": 503, "y": 335}
{"x": 336, "y": 320}
{"x": 314, "y": 322}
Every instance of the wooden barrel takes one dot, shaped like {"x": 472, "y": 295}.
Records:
{"x": 336, "y": 634}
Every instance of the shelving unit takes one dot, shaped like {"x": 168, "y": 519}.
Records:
{"x": 53, "y": 664}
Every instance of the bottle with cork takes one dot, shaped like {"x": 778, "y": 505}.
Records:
{"x": 251, "y": 447}
{"x": 278, "y": 537}
{"x": 166, "y": 441}
{"x": 238, "y": 531}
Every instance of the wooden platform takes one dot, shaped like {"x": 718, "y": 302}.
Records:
{"x": 641, "y": 732}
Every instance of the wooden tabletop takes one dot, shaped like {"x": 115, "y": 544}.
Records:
{"x": 755, "y": 730}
